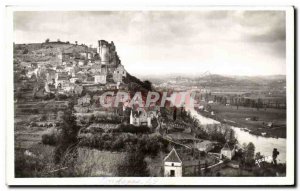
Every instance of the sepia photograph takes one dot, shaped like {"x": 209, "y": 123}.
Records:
{"x": 150, "y": 96}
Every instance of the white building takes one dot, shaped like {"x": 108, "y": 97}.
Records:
{"x": 100, "y": 78}
{"x": 172, "y": 165}
{"x": 74, "y": 79}
{"x": 227, "y": 152}
{"x": 81, "y": 62}
{"x": 140, "y": 117}
{"x": 61, "y": 80}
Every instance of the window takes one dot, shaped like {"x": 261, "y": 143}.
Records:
{"x": 172, "y": 164}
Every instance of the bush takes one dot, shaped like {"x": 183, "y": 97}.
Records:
{"x": 146, "y": 144}
{"x": 33, "y": 124}
{"x": 133, "y": 129}
{"x": 49, "y": 96}
{"x": 49, "y": 139}
{"x": 61, "y": 97}
{"x": 117, "y": 144}
{"x": 25, "y": 51}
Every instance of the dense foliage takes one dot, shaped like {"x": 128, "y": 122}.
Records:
{"x": 146, "y": 144}
{"x": 133, "y": 129}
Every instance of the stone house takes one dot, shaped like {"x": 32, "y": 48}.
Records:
{"x": 96, "y": 68}
{"x": 85, "y": 100}
{"x": 60, "y": 69}
{"x": 83, "y": 55}
{"x": 74, "y": 79}
{"x": 50, "y": 76}
{"x": 227, "y": 151}
{"x": 81, "y": 62}
{"x": 90, "y": 80}
{"x": 78, "y": 89}
{"x": 119, "y": 73}
{"x": 61, "y": 80}
{"x": 100, "y": 78}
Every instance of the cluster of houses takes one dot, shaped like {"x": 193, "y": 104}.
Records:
{"x": 176, "y": 164}
{"x": 138, "y": 116}
{"x": 173, "y": 164}
{"x": 78, "y": 65}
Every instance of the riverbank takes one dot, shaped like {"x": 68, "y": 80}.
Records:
{"x": 264, "y": 145}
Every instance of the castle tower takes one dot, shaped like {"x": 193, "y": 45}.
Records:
{"x": 103, "y": 51}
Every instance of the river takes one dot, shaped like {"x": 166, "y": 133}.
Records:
{"x": 264, "y": 145}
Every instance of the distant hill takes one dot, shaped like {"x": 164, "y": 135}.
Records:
{"x": 216, "y": 80}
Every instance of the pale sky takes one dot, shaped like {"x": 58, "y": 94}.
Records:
{"x": 166, "y": 42}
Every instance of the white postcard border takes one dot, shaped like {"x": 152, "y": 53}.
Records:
{"x": 288, "y": 180}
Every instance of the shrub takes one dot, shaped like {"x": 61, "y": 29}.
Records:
{"x": 133, "y": 129}
{"x": 61, "y": 97}
{"x": 146, "y": 144}
{"x": 117, "y": 144}
{"x": 49, "y": 139}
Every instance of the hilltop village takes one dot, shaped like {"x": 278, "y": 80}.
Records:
{"x": 60, "y": 67}
{"x": 59, "y": 118}
{"x": 64, "y": 71}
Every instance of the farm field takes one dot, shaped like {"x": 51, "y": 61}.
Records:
{"x": 251, "y": 118}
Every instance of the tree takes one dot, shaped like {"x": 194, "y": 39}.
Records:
{"x": 25, "y": 51}
{"x": 154, "y": 123}
{"x": 231, "y": 136}
{"x": 47, "y": 40}
{"x": 133, "y": 165}
{"x": 259, "y": 104}
{"x": 274, "y": 155}
{"x": 148, "y": 85}
{"x": 174, "y": 113}
{"x": 68, "y": 135}
{"x": 258, "y": 156}
{"x": 249, "y": 154}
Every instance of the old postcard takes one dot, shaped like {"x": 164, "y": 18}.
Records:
{"x": 150, "y": 96}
